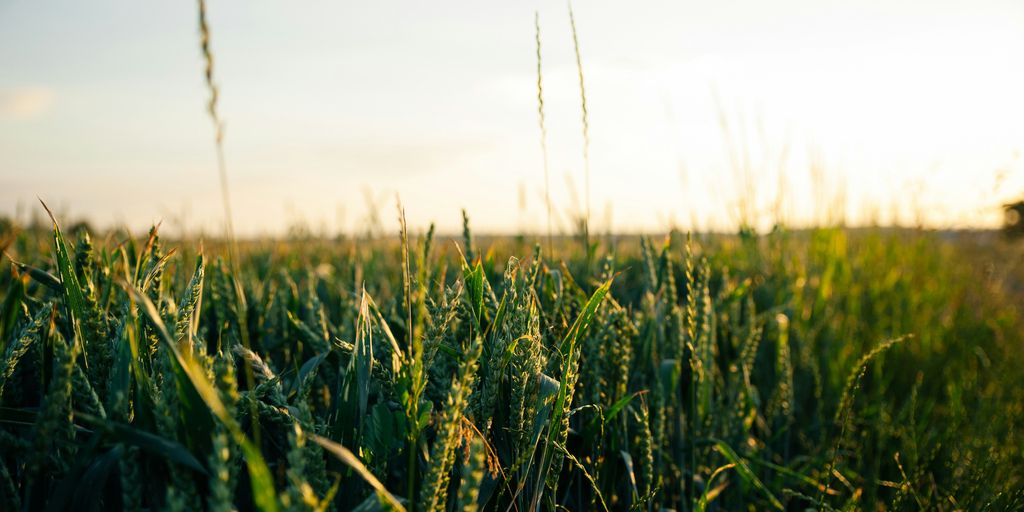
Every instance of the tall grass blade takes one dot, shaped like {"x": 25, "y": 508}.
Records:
{"x": 346, "y": 456}
{"x": 259, "y": 474}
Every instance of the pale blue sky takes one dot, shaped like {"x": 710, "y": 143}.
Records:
{"x": 903, "y": 105}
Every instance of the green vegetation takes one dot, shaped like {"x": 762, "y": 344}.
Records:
{"x": 826, "y": 369}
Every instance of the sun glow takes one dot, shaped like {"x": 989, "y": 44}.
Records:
{"x": 700, "y": 118}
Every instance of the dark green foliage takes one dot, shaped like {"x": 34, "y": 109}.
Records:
{"x": 730, "y": 374}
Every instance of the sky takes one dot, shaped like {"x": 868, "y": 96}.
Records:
{"x": 702, "y": 115}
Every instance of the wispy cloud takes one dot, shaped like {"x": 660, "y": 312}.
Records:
{"x": 25, "y": 103}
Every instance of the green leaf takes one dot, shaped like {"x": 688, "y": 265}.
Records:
{"x": 18, "y": 416}
{"x": 707, "y": 496}
{"x": 345, "y": 455}
{"x": 10, "y": 311}
{"x": 306, "y": 372}
{"x": 92, "y": 482}
{"x": 621, "y": 404}
{"x": 746, "y": 474}
{"x": 146, "y": 441}
{"x": 475, "y": 290}
{"x": 263, "y": 493}
{"x": 499, "y": 318}
{"x": 120, "y": 372}
{"x": 567, "y": 349}
{"x": 362, "y": 357}
{"x": 627, "y": 460}
{"x": 584, "y": 318}
{"x": 41, "y": 276}
{"x": 73, "y": 296}
{"x": 548, "y": 389}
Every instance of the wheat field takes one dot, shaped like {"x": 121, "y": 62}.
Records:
{"x": 825, "y": 369}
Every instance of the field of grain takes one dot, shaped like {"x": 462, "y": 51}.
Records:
{"x": 824, "y": 369}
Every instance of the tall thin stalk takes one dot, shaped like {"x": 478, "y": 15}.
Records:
{"x": 543, "y": 129}
{"x": 413, "y": 360}
{"x": 586, "y": 128}
{"x": 218, "y": 126}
